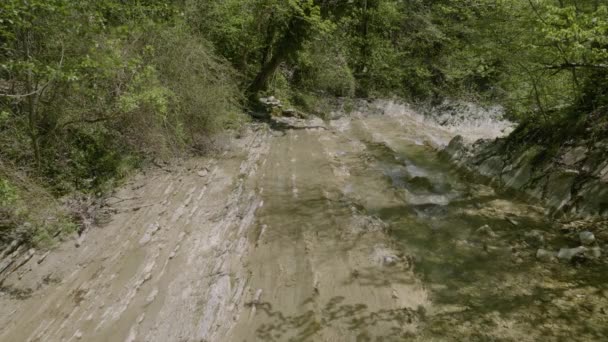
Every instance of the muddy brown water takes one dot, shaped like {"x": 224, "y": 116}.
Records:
{"x": 356, "y": 231}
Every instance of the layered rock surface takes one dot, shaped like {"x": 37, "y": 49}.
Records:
{"x": 572, "y": 180}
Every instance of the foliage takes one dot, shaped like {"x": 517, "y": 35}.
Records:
{"x": 91, "y": 89}
{"x": 82, "y": 100}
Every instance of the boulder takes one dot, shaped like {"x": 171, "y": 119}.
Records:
{"x": 567, "y": 254}
{"x": 587, "y": 238}
{"x": 456, "y": 148}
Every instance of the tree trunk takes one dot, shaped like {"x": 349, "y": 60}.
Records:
{"x": 295, "y": 34}
{"x": 32, "y": 102}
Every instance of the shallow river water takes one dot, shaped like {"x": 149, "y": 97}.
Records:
{"x": 352, "y": 230}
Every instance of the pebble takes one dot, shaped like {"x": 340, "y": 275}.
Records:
{"x": 389, "y": 260}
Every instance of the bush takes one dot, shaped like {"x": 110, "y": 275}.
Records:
{"x": 206, "y": 97}
{"x": 89, "y": 102}
{"x": 29, "y": 213}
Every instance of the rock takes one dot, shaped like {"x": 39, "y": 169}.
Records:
{"x": 594, "y": 253}
{"x": 151, "y": 296}
{"x": 535, "y": 238}
{"x": 574, "y": 156}
{"x": 602, "y": 172}
{"x": 486, "y": 231}
{"x": 270, "y": 101}
{"x": 384, "y": 256}
{"x": 519, "y": 177}
{"x": 592, "y": 198}
{"x": 559, "y": 188}
{"x": 420, "y": 184}
{"x": 512, "y": 221}
{"x": 567, "y": 254}
{"x": 389, "y": 260}
{"x": 491, "y": 167}
{"x": 150, "y": 232}
{"x": 202, "y": 173}
{"x": 456, "y": 148}
{"x": 536, "y": 188}
{"x": 545, "y": 255}
{"x": 43, "y": 257}
{"x": 587, "y": 238}
{"x": 519, "y": 173}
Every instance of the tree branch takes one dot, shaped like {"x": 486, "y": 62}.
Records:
{"x": 89, "y": 121}
{"x": 576, "y": 65}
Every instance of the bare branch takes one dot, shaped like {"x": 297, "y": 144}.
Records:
{"x": 576, "y": 65}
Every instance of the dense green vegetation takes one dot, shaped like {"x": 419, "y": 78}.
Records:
{"x": 90, "y": 89}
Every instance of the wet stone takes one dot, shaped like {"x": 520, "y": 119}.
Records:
{"x": 485, "y": 231}
{"x": 456, "y": 148}
{"x": 586, "y": 238}
{"x": 420, "y": 184}
{"x": 535, "y": 238}
{"x": 567, "y": 254}
{"x": 594, "y": 253}
{"x": 545, "y": 255}
{"x": 574, "y": 156}
{"x": 512, "y": 221}
{"x": 389, "y": 260}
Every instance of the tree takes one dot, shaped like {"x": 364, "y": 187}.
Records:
{"x": 296, "y": 22}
